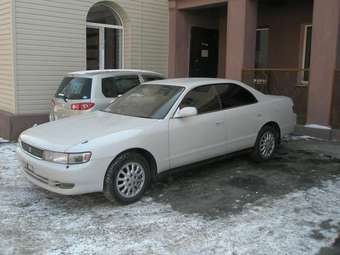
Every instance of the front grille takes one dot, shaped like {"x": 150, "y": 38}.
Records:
{"x": 34, "y": 151}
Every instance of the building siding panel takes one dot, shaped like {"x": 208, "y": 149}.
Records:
{"x": 51, "y": 41}
{"x": 7, "y": 99}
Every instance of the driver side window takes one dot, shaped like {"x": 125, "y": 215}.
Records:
{"x": 204, "y": 98}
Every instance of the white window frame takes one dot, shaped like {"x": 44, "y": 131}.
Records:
{"x": 304, "y": 49}
{"x": 101, "y": 27}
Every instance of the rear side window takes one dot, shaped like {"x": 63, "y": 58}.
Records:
{"x": 147, "y": 77}
{"x": 204, "y": 98}
{"x": 114, "y": 86}
{"x": 75, "y": 88}
{"x": 232, "y": 95}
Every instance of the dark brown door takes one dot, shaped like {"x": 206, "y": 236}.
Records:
{"x": 203, "y": 52}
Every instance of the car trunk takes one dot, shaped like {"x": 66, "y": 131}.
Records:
{"x": 72, "y": 98}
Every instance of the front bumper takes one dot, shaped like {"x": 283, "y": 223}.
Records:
{"x": 62, "y": 179}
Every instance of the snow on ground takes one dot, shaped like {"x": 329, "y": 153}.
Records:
{"x": 298, "y": 137}
{"x": 34, "y": 221}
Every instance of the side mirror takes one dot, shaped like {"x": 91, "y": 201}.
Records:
{"x": 186, "y": 112}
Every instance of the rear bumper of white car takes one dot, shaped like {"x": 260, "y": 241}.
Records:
{"x": 58, "y": 178}
{"x": 290, "y": 125}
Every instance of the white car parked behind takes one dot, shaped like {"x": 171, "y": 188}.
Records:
{"x": 154, "y": 127}
{"x": 86, "y": 91}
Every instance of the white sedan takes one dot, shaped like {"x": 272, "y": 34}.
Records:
{"x": 157, "y": 126}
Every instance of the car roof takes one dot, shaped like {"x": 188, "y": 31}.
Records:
{"x": 103, "y": 72}
{"x": 191, "y": 83}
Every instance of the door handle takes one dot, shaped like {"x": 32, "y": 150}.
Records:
{"x": 219, "y": 123}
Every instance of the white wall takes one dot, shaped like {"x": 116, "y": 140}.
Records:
{"x": 51, "y": 41}
{"x": 7, "y": 99}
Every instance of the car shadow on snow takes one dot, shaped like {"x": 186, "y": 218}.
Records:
{"x": 224, "y": 187}
{"x": 227, "y": 186}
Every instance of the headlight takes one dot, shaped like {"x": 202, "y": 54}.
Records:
{"x": 57, "y": 157}
{"x": 66, "y": 158}
{"x": 79, "y": 158}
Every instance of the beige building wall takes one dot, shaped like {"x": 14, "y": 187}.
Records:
{"x": 51, "y": 41}
{"x": 7, "y": 90}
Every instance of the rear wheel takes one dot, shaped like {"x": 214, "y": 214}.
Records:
{"x": 266, "y": 143}
{"x": 127, "y": 178}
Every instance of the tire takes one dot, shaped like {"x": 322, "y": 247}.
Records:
{"x": 127, "y": 178}
{"x": 267, "y": 142}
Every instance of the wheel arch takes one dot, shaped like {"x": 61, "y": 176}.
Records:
{"x": 146, "y": 154}
{"x": 274, "y": 125}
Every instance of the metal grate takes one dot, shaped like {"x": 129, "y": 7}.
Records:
{"x": 34, "y": 151}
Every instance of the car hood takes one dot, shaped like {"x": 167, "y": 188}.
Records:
{"x": 65, "y": 133}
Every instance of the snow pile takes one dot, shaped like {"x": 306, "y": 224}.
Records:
{"x": 2, "y": 140}
{"x": 316, "y": 126}
{"x": 34, "y": 221}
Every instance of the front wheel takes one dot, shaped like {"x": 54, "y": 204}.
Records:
{"x": 127, "y": 178}
{"x": 266, "y": 143}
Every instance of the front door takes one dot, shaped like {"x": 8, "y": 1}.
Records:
{"x": 203, "y": 52}
{"x": 199, "y": 137}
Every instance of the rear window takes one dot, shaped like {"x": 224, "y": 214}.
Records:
{"x": 147, "y": 77}
{"x": 114, "y": 86}
{"x": 75, "y": 88}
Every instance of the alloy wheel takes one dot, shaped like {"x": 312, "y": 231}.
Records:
{"x": 267, "y": 144}
{"x": 130, "y": 179}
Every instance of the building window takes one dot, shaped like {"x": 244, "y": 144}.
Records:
{"x": 262, "y": 41}
{"x": 104, "y": 38}
{"x": 306, "y": 53}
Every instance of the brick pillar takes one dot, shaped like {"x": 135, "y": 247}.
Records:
{"x": 178, "y": 42}
{"x": 323, "y": 60}
{"x": 241, "y": 37}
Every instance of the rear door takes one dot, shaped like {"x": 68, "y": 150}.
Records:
{"x": 242, "y": 116}
{"x": 113, "y": 87}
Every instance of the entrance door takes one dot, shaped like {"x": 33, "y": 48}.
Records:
{"x": 203, "y": 52}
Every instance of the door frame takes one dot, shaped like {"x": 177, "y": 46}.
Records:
{"x": 101, "y": 28}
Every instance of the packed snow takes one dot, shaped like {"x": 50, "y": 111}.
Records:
{"x": 34, "y": 221}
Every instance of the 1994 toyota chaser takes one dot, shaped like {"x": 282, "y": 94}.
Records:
{"x": 155, "y": 127}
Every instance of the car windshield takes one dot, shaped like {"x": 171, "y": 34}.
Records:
{"x": 74, "y": 88}
{"x": 147, "y": 101}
